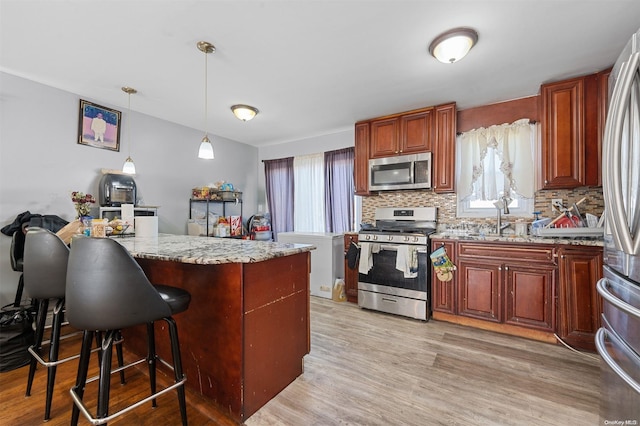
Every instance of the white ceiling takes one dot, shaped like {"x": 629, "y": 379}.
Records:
{"x": 312, "y": 67}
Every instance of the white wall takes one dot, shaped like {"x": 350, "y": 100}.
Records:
{"x": 41, "y": 162}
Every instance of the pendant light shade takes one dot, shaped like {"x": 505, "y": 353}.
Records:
{"x": 129, "y": 167}
{"x": 206, "y": 148}
{"x": 453, "y": 45}
{"x": 244, "y": 112}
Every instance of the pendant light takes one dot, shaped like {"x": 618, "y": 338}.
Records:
{"x": 453, "y": 45}
{"x": 129, "y": 167}
{"x": 244, "y": 112}
{"x": 206, "y": 148}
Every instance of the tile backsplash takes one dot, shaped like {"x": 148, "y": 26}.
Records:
{"x": 446, "y": 204}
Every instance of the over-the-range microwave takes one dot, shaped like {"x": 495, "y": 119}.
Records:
{"x": 401, "y": 172}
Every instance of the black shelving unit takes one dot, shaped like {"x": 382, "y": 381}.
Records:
{"x": 223, "y": 203}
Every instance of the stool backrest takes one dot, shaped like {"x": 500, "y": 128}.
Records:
{"x": 107, "y": 289}
{"x": 45, "y": 264}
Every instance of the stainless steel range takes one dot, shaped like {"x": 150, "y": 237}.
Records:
{"x": 394, "y": 266}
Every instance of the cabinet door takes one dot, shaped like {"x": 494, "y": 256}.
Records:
{"x": 443, "y": 293}
{"x": 416, "y": 132}
{"x": 350, "y": 275}
{"x": 479, "y": 288}
{"x": 530, "y": 296}
{"x": 361, "y": 159}
{"x": 580, "y": 304}
{"x": 444, "y": 148}
{"x": 384, "y": 138}
{"x": 562, "y": 134}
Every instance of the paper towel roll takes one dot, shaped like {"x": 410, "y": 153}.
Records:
{"x": 127, "y": 216}
{"x": 146, "y": 226}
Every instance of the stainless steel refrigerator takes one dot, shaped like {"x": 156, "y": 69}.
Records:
{"x": 618, "y": 340}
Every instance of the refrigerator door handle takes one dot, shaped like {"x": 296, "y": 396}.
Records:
{"x": 614, "y": 129}
{"x": 601, "y": 334}
{"x": 602, "y": 285}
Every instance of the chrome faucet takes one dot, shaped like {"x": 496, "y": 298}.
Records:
{"x": 502, "y": 205}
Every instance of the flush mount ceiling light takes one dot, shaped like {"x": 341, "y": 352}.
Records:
{"x": 206, "y": 149}
{"x": 244, "y": 112}
{"x": 129, "y": 167}
{"x": 453, "y": 45}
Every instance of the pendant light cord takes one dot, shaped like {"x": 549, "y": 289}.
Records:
{"x": 129, "y": 126}
{"x": 206, "y": 91}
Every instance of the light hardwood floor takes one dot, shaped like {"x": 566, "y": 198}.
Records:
{"x": 368, "y": 368}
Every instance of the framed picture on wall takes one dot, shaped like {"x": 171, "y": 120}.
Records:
{"x": 99, "y": 126}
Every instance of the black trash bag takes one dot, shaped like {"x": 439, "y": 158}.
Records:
{"x": 16, "y": 335}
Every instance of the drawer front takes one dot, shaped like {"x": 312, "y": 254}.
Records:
{"x": 524, "y": 252}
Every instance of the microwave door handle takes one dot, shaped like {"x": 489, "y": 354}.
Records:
{"x": 618, "y": 216}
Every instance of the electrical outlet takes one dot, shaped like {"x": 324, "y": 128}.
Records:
{"x": 556, "y": 204}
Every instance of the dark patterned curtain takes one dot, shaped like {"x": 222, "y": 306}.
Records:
{"x": 279, "y": 185}
{"x": 338, "y": 190}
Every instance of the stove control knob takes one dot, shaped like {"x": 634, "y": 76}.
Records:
{"x": 375, "y": 237}
{"x": 390, "y": 237}
{"x": 415, "y": 239}
{"x": 406, "y": 238}
{"x": 368, "y": 237}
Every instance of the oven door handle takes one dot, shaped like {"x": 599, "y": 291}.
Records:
{"x": 390, "y": 247}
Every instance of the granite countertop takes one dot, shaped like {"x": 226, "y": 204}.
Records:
{"x": 522, "y": 239}
{"x": 207, "y": 250}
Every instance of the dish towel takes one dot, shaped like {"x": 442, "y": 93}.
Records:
{"x": 407, "y": 261}
{"x": 367, "y": 250}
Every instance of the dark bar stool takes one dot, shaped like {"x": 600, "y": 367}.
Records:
{"x": 108, "y": 291}
{"x": 45, "y": 276}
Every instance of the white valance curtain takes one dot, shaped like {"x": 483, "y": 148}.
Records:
{"x": 510, "y": 167}
{"x": 308, "y": 199}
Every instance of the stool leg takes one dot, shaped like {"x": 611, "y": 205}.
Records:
{"x": 177, "y": 367}
{"x": 151, "y": 360}
{"x": 54, "y": 349}
{"x": 19, "y": 290}
{"x": 41, "y": 318}
{"x": 104, "y": 383}
{"x": 118, "y": 336}
{"x": 81, "y": 378}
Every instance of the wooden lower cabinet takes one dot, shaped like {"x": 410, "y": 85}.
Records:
{"x": 443, "y": 293}
{"x": 350, "y": 275}
{"x": 479, "y": 289}
{"x": 530, "y": 292}
{"x": 499, "y": 286}
{"x": 538, "y": 291}
{"x": 580, "y": 305}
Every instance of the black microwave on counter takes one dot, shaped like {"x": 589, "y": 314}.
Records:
{"x": 400, "y": 172}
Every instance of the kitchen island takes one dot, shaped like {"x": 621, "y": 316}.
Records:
{"x": 246, "y": 332}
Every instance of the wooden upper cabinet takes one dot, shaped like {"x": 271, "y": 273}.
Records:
{"x": 416, "y": 132}
{"x": 444, "y": 148}
{"x": 407, "y": 133}
{"x": 384, "y": 138}
{"x": 562, "y": 134}
{"x": 361, "y": 161}
{"x": 570, "y": 133}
